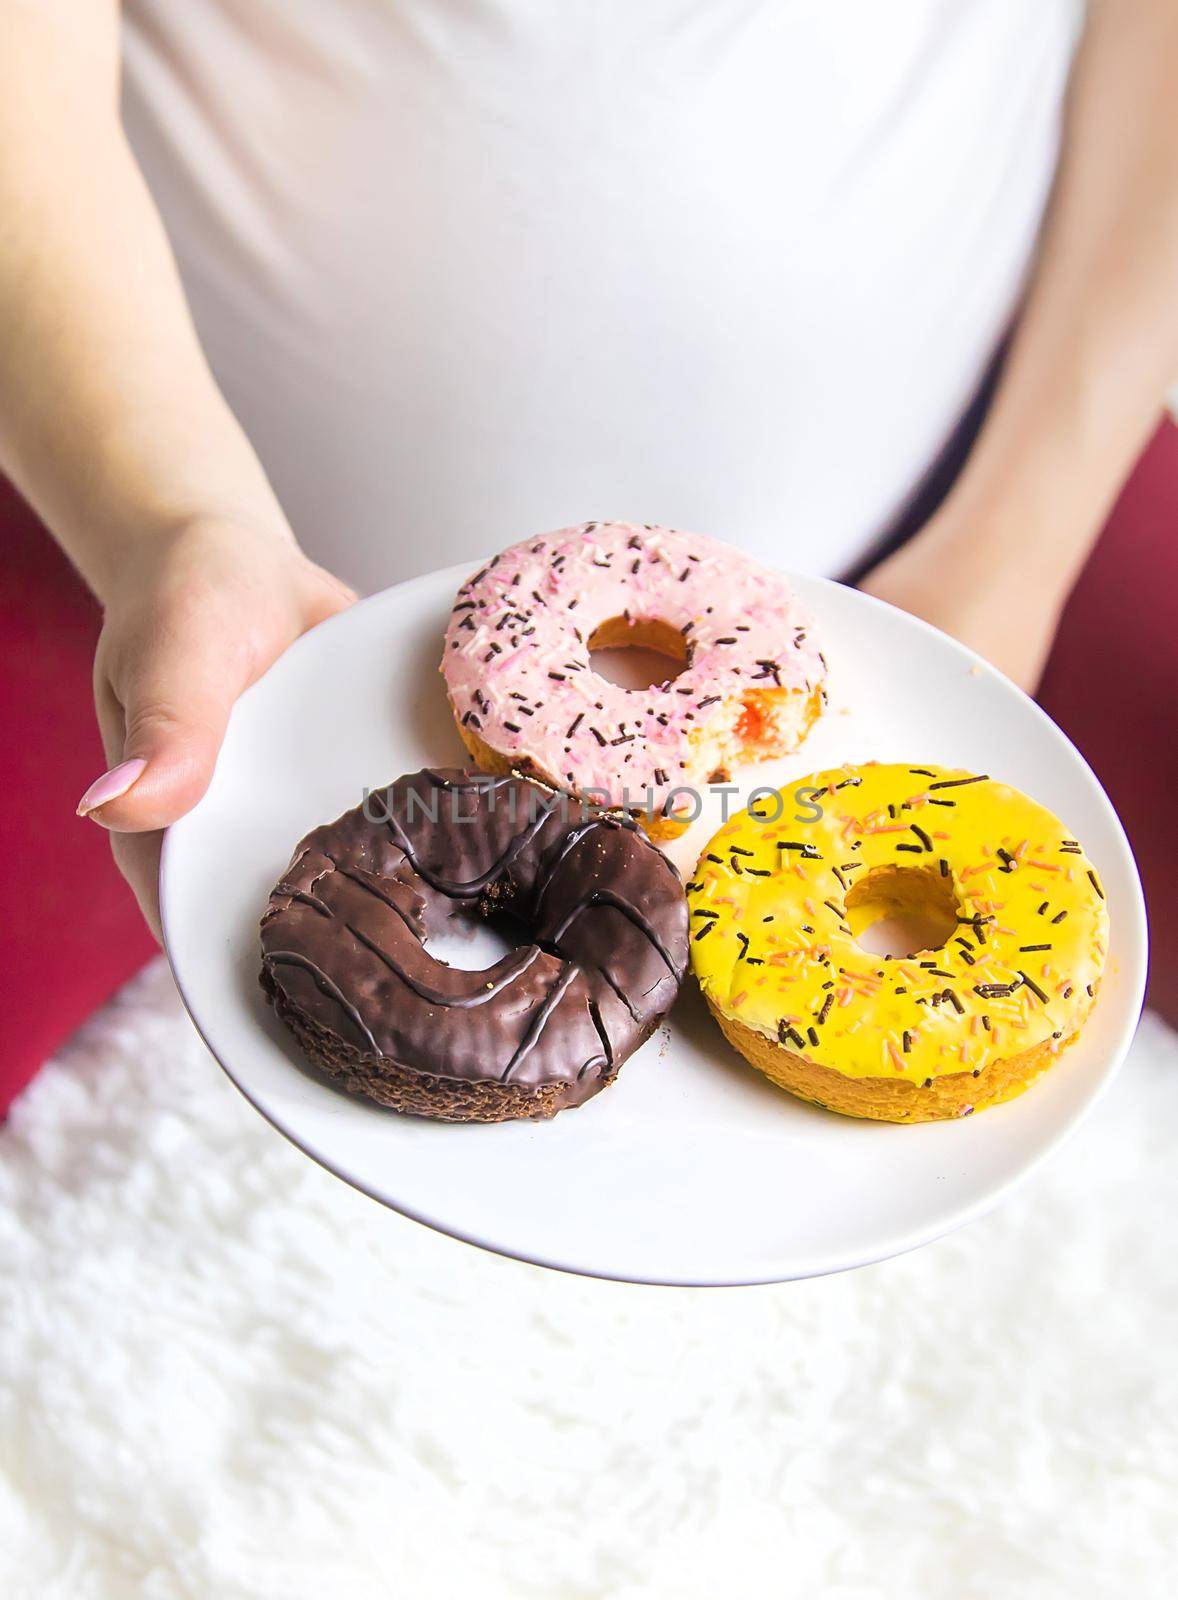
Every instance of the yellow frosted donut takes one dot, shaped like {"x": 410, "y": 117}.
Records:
{"x": 1009, "y": 906}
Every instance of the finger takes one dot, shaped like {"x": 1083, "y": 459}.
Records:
{"x": 331, "y": 595}
{"x": 137, "y": 856}
{"x": 175, "y": 702}
{"x": 110, "y": 713}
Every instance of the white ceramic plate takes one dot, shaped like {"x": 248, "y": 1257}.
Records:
{"x": 692, "y": 1168}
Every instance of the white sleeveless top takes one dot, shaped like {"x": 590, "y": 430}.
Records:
{"x": 472, "y": 269}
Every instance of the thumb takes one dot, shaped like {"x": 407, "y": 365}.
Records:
{"x": 163, "y": 729}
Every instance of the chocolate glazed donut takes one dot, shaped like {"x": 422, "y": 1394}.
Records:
{"x": 344, "y": 959}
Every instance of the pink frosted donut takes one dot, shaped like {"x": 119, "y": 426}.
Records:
{"x": 526, "y": 697}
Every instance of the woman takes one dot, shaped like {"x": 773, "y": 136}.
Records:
{"x": 460, "y": 271}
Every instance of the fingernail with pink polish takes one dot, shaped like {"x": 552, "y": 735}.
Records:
{"x": 110, "y": 786}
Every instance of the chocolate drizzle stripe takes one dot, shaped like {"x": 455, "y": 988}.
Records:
{"x": 292, "y": 958}
{"x": 595, "y": 1018}
{"x": 455, "y": 888}
{"x": 437, "y": 997}
{"x": 363, "y": 882}
{"x": 592, "y": 1065}
{"x": 621, "y": 994}
{"x": 606, "y": 897}
{"x": 305, "y": 898}
{"x": 551, "y": 1000}
{"x": 571, "y": 841}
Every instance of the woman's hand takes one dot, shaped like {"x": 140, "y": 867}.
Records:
{"x": 1091, "y": 359}
{"x": 968, "y": 581}
{"x": 113, "y": 428}
{"x": 199, "y": 615}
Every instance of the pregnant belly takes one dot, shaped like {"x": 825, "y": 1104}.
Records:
{"x": 463, "y": 292}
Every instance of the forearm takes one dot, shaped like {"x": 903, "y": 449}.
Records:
{"x": 110, "y": 421}
{"x": 1096, "y": 347}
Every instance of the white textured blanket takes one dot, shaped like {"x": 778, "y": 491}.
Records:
{"x": 225, "y": 1376}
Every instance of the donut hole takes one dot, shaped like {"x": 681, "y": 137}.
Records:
{"x": 902, "y": 911}
{"x": 472, "y": 942}
{"x": 635, "y": 653}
